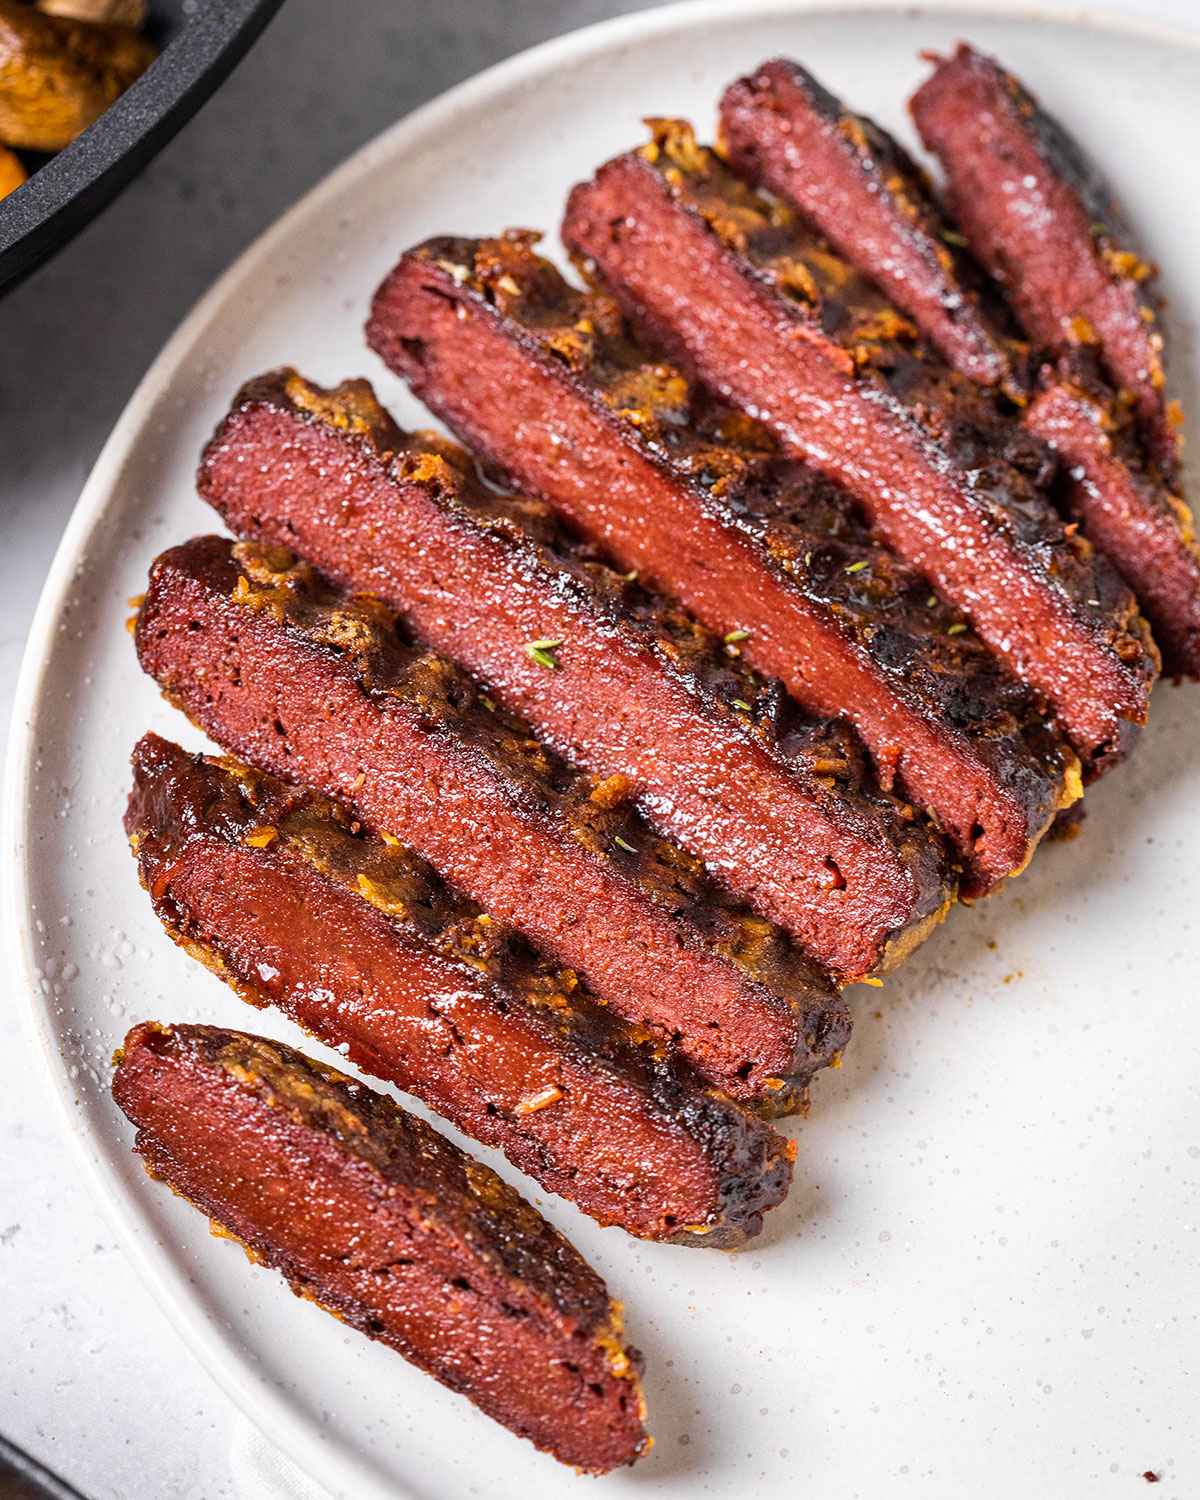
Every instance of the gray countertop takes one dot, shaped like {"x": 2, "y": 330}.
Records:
{"x": 94, "y": 1381}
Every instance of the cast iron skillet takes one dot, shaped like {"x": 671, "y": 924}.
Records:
{"x": 202, "y": 41}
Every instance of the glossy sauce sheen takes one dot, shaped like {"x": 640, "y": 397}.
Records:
{"x": 633, "y": 688}
{"x": 378, "y": 1219}
{"x": 603, "y": 431}
{"x": 772, "y": 321}
{"x": 358, "y": 942}
{"x": 316, "y": 686}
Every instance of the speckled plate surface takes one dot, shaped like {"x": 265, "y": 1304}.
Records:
{"x": 987, "y": 1279}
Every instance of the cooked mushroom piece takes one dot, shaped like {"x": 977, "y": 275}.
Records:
{"x": 12, "y": 173}
{"x": 114, "y": 12}
{"x": 57, "y": 75}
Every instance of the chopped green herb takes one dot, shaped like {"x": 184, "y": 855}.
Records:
{"x": 631, "y": 577}
{"x": 1100, "y": 230}
{"x": 956, "y": 629}
{"x": 953, "y": 237}
{"x": 620, "y": 842}
{"x": 736, "y": 635}
{"x": 487, "y": 703}
{"x": 740, "y": 703}
{"x": 931, "y": 602}
{"x": 542, "y": 652}
{"x": 858, "y": 566}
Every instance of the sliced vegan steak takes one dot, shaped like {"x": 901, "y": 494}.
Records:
{"x": 1122, "y": 480}
{"x": 785, "y": 131}
{"x": 1041, "y": 219}
{"x": 374, "y": 1216}
{"x": 321, "y": 688}
{"x": 701, "y": 502}
{"x": 354, "y": 938}
{"x": 624, "y": 684}
{"x": 772, "y": 319}
{"x": 860, "y": 188}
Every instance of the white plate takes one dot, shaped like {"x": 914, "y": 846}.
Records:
{"x": 986, "y": 1279}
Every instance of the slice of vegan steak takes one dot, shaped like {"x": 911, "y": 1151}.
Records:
{"x": 1038, "y": 215}
{"x": 355, "y": 939}
{"x": 772, "y": 319}
{"x": 320, "y": 687}
{"x": 378, "y": 1219}
{"x": 784, "y": 131}
{"x": 1131, "y": 511}
{"x": 777, "y": 806}
{"x": 702, "y": 503}
{"x": 859, "y": 187}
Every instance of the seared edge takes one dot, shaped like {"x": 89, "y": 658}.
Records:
{"x": 1131, "y": 510}
{"x": 863, "y": 191}
{"x": 523, "y": 1031}
{"x": 785, "y": 131}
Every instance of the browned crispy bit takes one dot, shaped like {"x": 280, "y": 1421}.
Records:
{"x": 378, "y": 1219}
{"x": 623, "y": 682}
{"x": 771, "y": 318}
{"x": 322, "y": 688}
{"x": 702, "y": 503}
{"x": 860, "y": 188}
{"x": 58, "y": 75}
{"x": 357, "y": 940}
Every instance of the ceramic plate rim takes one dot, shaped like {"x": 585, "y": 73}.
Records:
{"x": 332, "y": 1461}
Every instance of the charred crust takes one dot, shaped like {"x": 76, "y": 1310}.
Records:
{"x": 398, "y": 1147}
{"x": 1093, "y": 215}
{"x": 954, "y": 426}
{"x": 1105, "y": 468}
